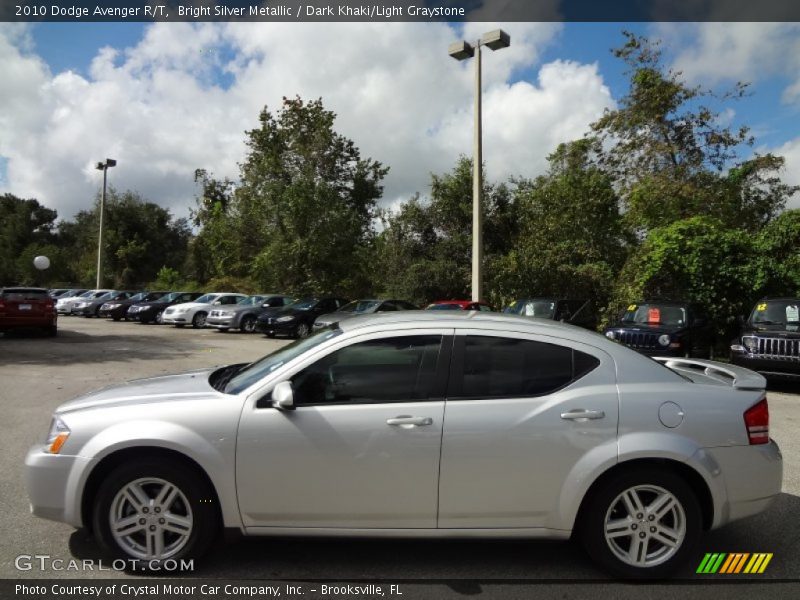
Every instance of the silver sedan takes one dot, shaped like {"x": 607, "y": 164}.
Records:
{"x": 437, "y": 425}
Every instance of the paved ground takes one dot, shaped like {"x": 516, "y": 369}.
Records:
{"x": 38, "y": 373}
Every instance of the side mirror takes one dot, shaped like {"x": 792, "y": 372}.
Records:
{"x": 283, "y": 396}
{"x": 217, "y": 303}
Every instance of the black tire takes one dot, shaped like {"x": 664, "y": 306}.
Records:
{"x": 160, "y": 318}
{"x": 302, "y": 331}
{"x": 270, "y": 335}
{"x": 248, "y": 324}
{"x": 194, "y": 489}
{"x": 199, "y": 320}
{"x": 52, "y": 331}
{"x": 603, "y": 503}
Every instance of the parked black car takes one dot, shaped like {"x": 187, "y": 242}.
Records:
{"x": 576, "y": 312}
{"x": 117, "y": 309}
{"x": 297, "y": 319}
{"x": 362, "y": 307}
{"x": 665, "y": 329}
{"x": 91, "y": 306}
{"x": 770, "y": 339}
{"x": 149, "y": 312}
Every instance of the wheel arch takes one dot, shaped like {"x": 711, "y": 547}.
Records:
{"x": 111, "y": 461}
{"x": 695, "y": 480}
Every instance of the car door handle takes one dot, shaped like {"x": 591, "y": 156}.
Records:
{"x": 582, "y": 414}
{"x": 407, "y": 420}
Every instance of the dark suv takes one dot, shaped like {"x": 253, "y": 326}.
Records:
{"x": 770, "y": 339}
{"x": 664, "y": 329}
{"x": 576, "y": 312}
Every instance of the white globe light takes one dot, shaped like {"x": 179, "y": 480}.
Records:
{"x": 41, "y": 262}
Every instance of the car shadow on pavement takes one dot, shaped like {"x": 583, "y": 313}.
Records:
{"x": 476, "y": 561}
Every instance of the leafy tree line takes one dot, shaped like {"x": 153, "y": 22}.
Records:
{"x": 661, "y": 198}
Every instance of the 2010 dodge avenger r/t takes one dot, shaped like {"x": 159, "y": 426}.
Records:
{"x": 424, "y": 424}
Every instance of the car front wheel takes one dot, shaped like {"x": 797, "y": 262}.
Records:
{"x": 248, "y": 324}
{"x": 153, "y": 511}
{"x": 199, "y": 320}
{"x": 642, "y": 523}
{"x": 302, "y": 330}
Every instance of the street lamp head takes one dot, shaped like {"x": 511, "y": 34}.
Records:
{"x": 496, "y": 39}
{"x": 461, "y": 50}
{"x": 110, "y": 162}
{"x": 100, "y": 166}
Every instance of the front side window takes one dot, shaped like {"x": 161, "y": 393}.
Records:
{"x": 498, "y": 367}
{"x": 398, "y": 369}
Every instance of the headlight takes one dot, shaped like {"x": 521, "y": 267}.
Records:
{"x": 611, "y": 335}
{"x": 663, "y": 340}
{"x": 179, "y": 311}
{"x": 751, "y": 344}
{"x": 285, "y": 319}
{"x": 110, "y": 306}
{"x": 225, "y": 313}
{"x": 59, "y": 432}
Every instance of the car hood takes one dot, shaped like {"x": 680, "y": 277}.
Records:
{"x": 278, "y": 311}
{"x": 644, "y": 328}
{"x": 191, "y": 305}
{"x": 186, "y": 386}
{"x": 237, "y": 309}
{"x": 772, "y": 331}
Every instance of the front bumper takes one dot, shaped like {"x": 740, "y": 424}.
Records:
{"x": 84, "y": 311}
{"x": 221, "y": 322}
{"x": 113, "y": 313}
{"x": 175, "y": 319}
{"x": 275, "y": 328}
{"x": 753, "y": 477}
{"x": 53, "y": 485}
{"x": 772, "y": 368}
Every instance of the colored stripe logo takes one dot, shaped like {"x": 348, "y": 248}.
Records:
{"x": 734, "y": 563}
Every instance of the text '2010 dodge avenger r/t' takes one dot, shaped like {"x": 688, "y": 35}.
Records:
{"x": 427, "y": 424}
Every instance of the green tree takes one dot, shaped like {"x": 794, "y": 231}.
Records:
{"x": 699, "y": 260}
{"x": 776, "y": 260}
{"x": 672, "y": 157}
{"x": 425, "y": 248}
{"x": 301, "y": 217}
{"x": 571, "y": 240}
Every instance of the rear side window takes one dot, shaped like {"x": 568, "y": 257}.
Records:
{"x": 497, "y": 367}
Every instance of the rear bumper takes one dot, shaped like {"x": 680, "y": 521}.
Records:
{"x": 7, "y": 323}
{"x": 753, "y": 476}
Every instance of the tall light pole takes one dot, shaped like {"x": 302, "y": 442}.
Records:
{"x": 461, "y": 51}
{"x": 102, "y": 166}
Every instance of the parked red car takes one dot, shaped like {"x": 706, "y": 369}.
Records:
{"x": 459, "y": 305}
{"x": 27, "y": 308}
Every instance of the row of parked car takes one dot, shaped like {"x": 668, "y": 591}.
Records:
{"x": 769, "y": 340}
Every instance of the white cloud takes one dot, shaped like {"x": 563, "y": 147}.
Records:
{"x": 155, "y": 108}
{"x": 723, "y": 52}
{"x": 791, "y": 152}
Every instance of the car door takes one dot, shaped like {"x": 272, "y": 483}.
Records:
{"x": 360, "y": 449}
{"x": 522, "y": 412}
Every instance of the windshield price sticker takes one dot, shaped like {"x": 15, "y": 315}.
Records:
{"x": 654, "y": 315}
{"x": 761, "y": 307}
{"x": 631, "y": 307}
{"x": 792, "y": 313}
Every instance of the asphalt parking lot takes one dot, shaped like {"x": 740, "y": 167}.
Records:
{"x": 38, "y": 373}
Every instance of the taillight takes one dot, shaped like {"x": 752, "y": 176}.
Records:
{"x": 756, "y": 419}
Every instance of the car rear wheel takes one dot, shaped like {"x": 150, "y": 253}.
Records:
{"x": 52, "y": 331}
{"x": 154, "y": 511}
{"x": 642, "y": 523}
{"x": 160, "y": 318}
{"x": 248, "y": 324}
{"x": 199, "y": 320}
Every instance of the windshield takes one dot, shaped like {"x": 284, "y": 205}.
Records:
{"x": 251, "y": 301}
{"x": 533, "y": 308}
{"x": 99, "y": 294}
{"x": 443, "y": 307}
{"x": 86, "y": 295}
{"x": 169, "y": 297}
{"x": 304, "y": 303}
{"x": 361, "y": 306}
{"x": 776, "y": 312}
{"x": 655, "y": 314}
{"x": 207, "y": 299}
{"x": 149, "y": 297}
{"x": 104, "y": 296}
{"x": 266, "y": 365}
{"x": 141, "y": 296}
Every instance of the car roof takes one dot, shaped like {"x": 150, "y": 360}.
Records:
{"x": 23, "y": 289}
{"x": 786, "y": 298}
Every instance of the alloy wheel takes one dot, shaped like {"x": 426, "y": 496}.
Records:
{"x": 151, "y": 518}
{"x": 302, "y": 330}
{"x": 645, "y": 526}
{"x": 248, "y": 324}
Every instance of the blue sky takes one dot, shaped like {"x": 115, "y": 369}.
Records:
{"x": 169, "y": 98}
